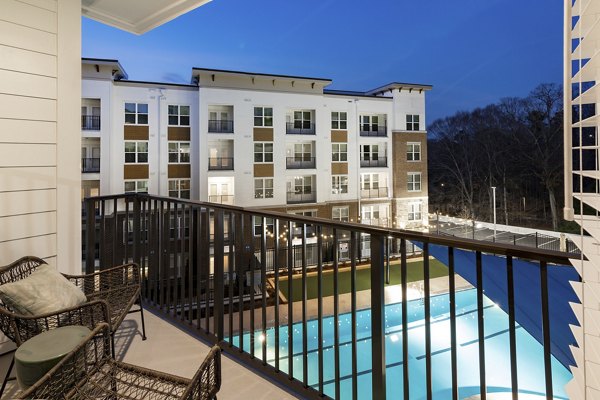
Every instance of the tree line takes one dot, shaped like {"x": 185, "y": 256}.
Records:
{"x": 515, "y": 145}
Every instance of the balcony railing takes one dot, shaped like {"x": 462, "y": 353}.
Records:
{"x": 373, "y": 130}
{"x": 297, "y": 128}
{"x": 433, "y": 346}
{"x": 221, "y": 198}
{"x": 379, "y": 162}
{"x": 374, "y": 193}
{"x": 220, "y": 126}
{"x": 220, "y": 163}
{"x": 90, "y": 122}
{"x": 298, "y": 198}
{"x": 300, "y": 162}
{"x": 90, "y": 165}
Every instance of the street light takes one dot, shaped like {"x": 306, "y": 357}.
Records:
{"x": 494, "y": 205}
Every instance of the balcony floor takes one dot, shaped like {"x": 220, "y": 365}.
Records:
{"x": 169, "y": 349}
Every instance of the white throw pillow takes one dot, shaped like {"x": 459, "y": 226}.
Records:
{"x": 44, "y": 291}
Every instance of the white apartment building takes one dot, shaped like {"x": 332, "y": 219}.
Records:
{"x": 257, "y": 140}
{"x": 582, "y": 174}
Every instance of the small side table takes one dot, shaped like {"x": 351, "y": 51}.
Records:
{"x": 38, "y": 355}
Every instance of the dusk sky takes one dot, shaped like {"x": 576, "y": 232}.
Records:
{"x": 474, "y": 52}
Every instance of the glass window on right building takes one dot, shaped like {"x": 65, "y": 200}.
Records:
{"x": 412, "y": 122}
{"x": 413, "y": 151}
{"x": 414, "y": 182}
{"x": 414, "y": 211}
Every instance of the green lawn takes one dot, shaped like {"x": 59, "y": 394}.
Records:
{"x": 363, "y": 279}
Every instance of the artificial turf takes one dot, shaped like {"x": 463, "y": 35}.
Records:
{"x": 363, "y": 279}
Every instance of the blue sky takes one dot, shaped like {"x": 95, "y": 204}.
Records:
{"x": 473, "y": 52}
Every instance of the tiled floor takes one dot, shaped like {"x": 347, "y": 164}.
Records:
{"x": 171, "y": 350}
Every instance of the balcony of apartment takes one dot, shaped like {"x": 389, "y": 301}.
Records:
{"x": 373, "y": 125}
{"x": 301, "y": 122}
{"x": 220, "y": 119}
{"x": 299, "y": 197}
{"x": 373, "y": 193}
{"x": 220, "y": 164}
{"x": 90, "y": 114}
{"x": 300, "y": 162}
{"x": 90, "y": 165}
{"x": 372, "y": 162}
{"x": 386, "y": 328}
{"x": 222, "y": 198}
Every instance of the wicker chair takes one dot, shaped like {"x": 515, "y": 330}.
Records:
{"x": 89, "y": 372}
{"x": 110, "y": 293}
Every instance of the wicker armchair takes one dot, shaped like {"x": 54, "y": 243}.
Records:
{"x": 89, "y": 372}
{"x": 110, "y": 293}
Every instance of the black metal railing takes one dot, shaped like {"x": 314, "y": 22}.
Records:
{"x": 220, "y": 126}
{"x": 90, "y": 165}
{"x": 377, "y": 162}
{"x": 90, "y": 122}
{"x": 201, "y": 269}
{"x": 220, "y": 163}
{"x": 221, "y": 198}
{"x": 373, "y": 130}
{"x": 300, "y": 162}
{"x": 300, "y": 128}
{"x": 374, "y": 193}
{"x": 299, "y": 197}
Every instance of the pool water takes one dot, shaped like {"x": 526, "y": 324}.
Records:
{"x": 530, "y": 361}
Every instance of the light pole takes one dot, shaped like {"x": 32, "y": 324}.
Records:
{"x": 494, "y": 205}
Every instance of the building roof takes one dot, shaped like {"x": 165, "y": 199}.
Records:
{"x": 261, "y": 74}
{"x": 118, "y": 70}
{"x": 399, "y": 85}
{"x": 137, "y": 16}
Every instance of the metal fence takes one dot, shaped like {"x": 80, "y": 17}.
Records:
{"x": 201, "y": 268}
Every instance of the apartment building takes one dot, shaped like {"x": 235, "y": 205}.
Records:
{"x": 274, "y": 142}
{"x": 581, "y": 94}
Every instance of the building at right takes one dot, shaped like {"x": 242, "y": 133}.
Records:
{"x": 582, "y": 179}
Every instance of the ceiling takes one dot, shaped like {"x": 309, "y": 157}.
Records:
{"x": 137, "y": 16}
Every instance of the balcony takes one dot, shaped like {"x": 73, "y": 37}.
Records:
{"x": 90, "y": 165}
{"x": 296, "y": 128}
{"x": 220, "y": 164}
{"x": 90, "y": 122}
{"x": 445, "y": 329}
{"x": 374, "y": 193}
{"x": 373, "y": 130}
{"x": 300, "y": 162}
{"x": 299, "y": 198}
{"x": 221, "y": 198}
{"x": 220, "y": 126}
{"x": 372, "y": 163}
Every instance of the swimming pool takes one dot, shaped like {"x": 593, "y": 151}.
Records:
{"x": 530, "y": 361}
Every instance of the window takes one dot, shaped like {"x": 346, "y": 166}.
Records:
{"x": 136, "y": 152}
{"x": 263, "y": 188}
{"x": 269, "y": 226}
{"x": 302, "y": 152}
{"x": 369, "y": 181}
{"x": 136, "y": 186}
{"x": 369, "y": 152}
{"x": 136, "y": 113}
{"x": 369, "y": 123}
{"x": 179, "y": 115}
{"x": 303, "y": 184}
{"x": 263, "y": 152}
{"x": 414, "y": 211}
{"x": 370, "y": 212}
{"x": 263, "y": 116}
{"x": 302, "y": 119}
{"x": 339, "y": 120}
{"x": 412, "y": 122}
{"x": 339, "y": 184}
{"x": 179, "y": 152}
{"x": 310, "y": 213}
{"x": 179, "y": 188}
{"x": 341, "y": 214}
{"x": 414, "y": 182}
{"x": 339, "y": 152}
{"x": 413, "y": 151}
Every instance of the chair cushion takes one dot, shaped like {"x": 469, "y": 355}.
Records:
{"x": 44, "y": 291}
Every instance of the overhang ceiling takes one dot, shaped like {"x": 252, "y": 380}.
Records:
{"x": 137, "y": 16}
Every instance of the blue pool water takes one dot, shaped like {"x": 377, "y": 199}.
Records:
{"x": 530, "y": 362}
